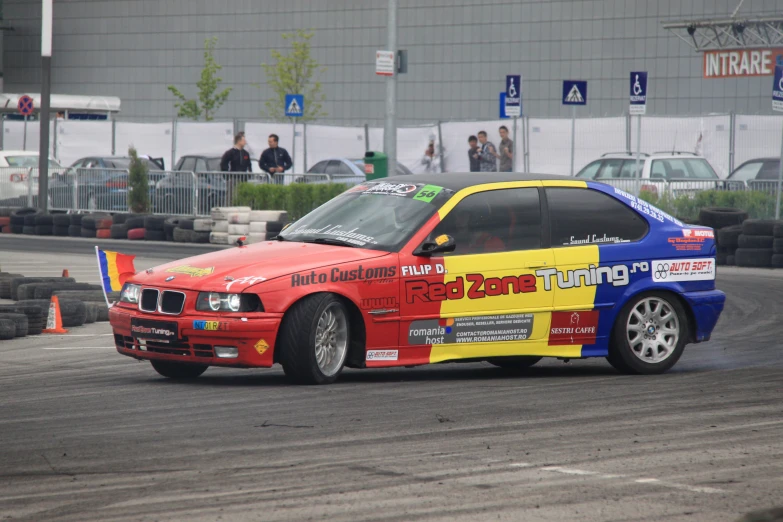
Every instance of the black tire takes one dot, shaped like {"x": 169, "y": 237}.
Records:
{"x": 185, "y": 224}
{"x": 728, "y": 237}
{"x": 120, "y": 219}
{"x": 92, "y": 313}
{"x": 61, "y": 220}
{"x": 182, "y": 236}
{"x": 274, "y": 226}
{"x": 753, "y": 257}
{"x": 21, "y": 323}
{"x": 747, "y": 241}
{"x": 777, "y": 246}
{"x": 88, "y": 232}
{"x": 36, "y": 318}
{"x": 103, "y": 312}
{"x": 16, "y": 282}
{"x": 758, "y": 227}
{"x": 297, "y": 339}
{"x": 46, "y": 290}
{"x": 720, "y": 258}
{"x": 75, "y": 231}
{"x": 178, "y": 371}
{"x": 119, "y": 231}
{"x": 43, "y": 230}
{"x": 514, "y": 363}
{"x": 168, "y": 228}
{"x": 28, "y": 230}
{"x": 154, "y": 235}
{"x": 154, "y": 223}
{"x": 76, "y": 219}
{"x": 777, "y": 261}
{"x": 777, "y": 230}
{"x": 18, "y": 216}
{"x": 29, "y": 220}
{"x": 17, "y": 229}
{"x": 88, "y": 222}
{"x": 621, "y": 354}
{"x": 720, "y": 217}
{"x": 7, "y": 329}
{"x": 199, "y": 237}
{"x": 88, "y": 296}
{"x": 730, "y": 260}
{"x": 44, "y": 219}
{"x": 5, "y": 285}
{"x": 60, "y": 231}
{"x": 134, "y": 222}
{"x": 74, "y": 313}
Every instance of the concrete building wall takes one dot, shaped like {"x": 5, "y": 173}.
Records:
{"x": 459, "y": 54}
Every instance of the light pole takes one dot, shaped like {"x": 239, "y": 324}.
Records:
{"x": 390, "y": 123}
{"x": 43, "y": 119}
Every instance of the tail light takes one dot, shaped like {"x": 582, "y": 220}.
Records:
{"x": 18, "y": 178}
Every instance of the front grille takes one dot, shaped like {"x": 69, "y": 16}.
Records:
{"x": 172, "y": 302}
{"x": 181, "y": 348}
{"x": 149, "y": 300}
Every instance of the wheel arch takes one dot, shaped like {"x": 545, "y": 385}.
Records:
{"x": 689, "y": 315}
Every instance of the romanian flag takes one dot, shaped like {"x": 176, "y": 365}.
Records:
{"x": 115, "y": 269}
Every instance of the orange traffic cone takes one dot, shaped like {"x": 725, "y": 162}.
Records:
{"x": 54, "y": 323}
{"x": 65, "y": 273}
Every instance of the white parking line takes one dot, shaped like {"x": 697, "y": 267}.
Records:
{"x": 80, "y": 348}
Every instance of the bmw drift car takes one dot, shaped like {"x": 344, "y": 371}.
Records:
{"x": 436, "y": 268}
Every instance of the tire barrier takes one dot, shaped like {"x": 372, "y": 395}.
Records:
{"x": 229, "y": 224}
{"x": 756, "y": 244}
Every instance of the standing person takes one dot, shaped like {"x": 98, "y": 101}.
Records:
{"x": 474, "y": 154}
{"x": 431, "y": 159}
{"x": 275, "y": 160}
{"x": 506, "y": 155}
{"x": 488, "y": 156}
{"x": 235, "y": 159}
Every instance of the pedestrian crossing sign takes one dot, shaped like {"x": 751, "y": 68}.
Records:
{"x": 294, "y": 105}
{"x": 574, "y": 92}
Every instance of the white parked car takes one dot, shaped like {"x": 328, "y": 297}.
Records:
{"x": 15, "y": 167}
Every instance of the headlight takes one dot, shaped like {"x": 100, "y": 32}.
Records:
{"x": 130, "y": 293}
{"x": 220, "y": 302}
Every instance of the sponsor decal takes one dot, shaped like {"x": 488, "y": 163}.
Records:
{"x": 427, "y": 193}
{"x": 212, "y": 326}
{"x": 573, "y": 328}
{"x": 371, "y": 303}
{"x": 261, "y": 346}
{"x": 155, "y": 330}
{"x": 349, "y": 236}
{"x": 441, "y": 239}
{"x": 392, "y": 189}
{"x": 423, "y": 270}
{"x": 382, "y": 355}
{"x": 477, "y": 329}
{"x": 645, "y": 208}
{"x": 593, "y": 239}
{"x": 673, "y": 270}
{"x": 472, "y": 286}
{"x": 698, "y": 232}
{"x": 617, "y": 275}
{"x": 192, "y": 271}
{"x": 337, "y": 275}
{"x": 245, "y": 281}
{"x": 691, "y": 240}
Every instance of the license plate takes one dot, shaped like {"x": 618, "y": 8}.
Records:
{"x": 154, "y": 330}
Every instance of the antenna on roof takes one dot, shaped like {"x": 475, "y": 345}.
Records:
{"x": 674, "y": 145}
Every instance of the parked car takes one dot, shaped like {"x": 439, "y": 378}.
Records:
{"x": 102, "y": 183}
{"x": 174, "y": 192}
{"x": 344, "y": 167}
{"x": 16, "y": 165}
{"x": 759, "y": 173}
{"x": 432, "y": 268}
{"x": 677, "y": 172}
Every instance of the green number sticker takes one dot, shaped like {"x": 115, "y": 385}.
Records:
{"x": 427, "y": 193}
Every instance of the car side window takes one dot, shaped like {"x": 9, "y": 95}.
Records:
{"x": 201, "y": 165}
{"x": 333, "y": 167}
{"x": 189, "y": 164}
{"x": 494, "y": 221}
{"x": 658, "y": 170}
{"x": 344, "y": 169}
{"x": 589, "y": 171}
{"x": 610, "y": 169}
{"x": 747, "y": 171}
{"x": 318, "y": 168}
{"x": 769, "y": 171}
{"x": 589, "y": 217}
{"x": 629, "y": 169}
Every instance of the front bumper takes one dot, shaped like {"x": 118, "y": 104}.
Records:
{"x": 707, "y": 307}
{"x": 254, "y": 339}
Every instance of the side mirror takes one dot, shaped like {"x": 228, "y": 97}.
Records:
{"x": 442, "y": 243}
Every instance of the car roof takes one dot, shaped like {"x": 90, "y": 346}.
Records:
{"x": 18, "y": 153}
{"x": 759, "y": 159}
{"x": 654, "y": 155}
{"x": 460, "y": 180}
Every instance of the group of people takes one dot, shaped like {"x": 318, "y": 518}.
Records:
{"x": 274, "y": 160}
{"x": 485, "y": 157}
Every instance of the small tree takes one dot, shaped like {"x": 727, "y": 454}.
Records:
{"x": 295, "y": 73}
{"x": 138, "y": 184}
{"x": 210, "y": 99}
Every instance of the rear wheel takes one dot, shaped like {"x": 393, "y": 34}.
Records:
{"x": 178, "y": 371}
{"x": 649, "y": 336}
{"x": 514, "y": 363}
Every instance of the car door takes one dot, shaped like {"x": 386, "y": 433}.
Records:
{"x": 482, "y": 299}
{"x": 592, "y": 238}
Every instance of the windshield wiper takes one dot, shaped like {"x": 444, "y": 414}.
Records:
{"x": 330, "y": 241}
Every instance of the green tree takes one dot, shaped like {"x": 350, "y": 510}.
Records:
{"x": 209, "y": 100}
{"x": 295, "y": 72}
{"x": 138, "y": 184}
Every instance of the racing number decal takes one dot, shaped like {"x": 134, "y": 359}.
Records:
{"x": 427, "y": 193}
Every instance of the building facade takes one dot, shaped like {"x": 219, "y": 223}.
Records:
{"x": 459, "y": 53}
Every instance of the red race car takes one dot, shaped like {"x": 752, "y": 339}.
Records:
{"x": 423, "y": 269}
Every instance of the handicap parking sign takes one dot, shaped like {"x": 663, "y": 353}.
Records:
{"x": 638, "y": 92}
{"x": 777, "y": 89}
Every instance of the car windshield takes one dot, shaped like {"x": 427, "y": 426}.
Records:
{"x": 683, "y": 169}
{"x": 124, "y": 163}
{"x": 373, "y": 215}
{"x": 747, "y": 171}
{"x": 27, "y": 161}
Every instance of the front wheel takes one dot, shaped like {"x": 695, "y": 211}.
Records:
{"x": 649, "y": 335}
{"x": 315, "y": 339}
{"x": 178, "y": 371}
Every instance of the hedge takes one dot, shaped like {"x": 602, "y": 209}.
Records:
{"x": 298, "y": 198}
{"x": 759, "y": 205}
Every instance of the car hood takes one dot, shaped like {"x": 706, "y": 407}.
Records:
{"x": 237, "y": 269}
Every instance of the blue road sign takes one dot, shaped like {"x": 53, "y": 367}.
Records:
{"x": 294, "y": 105}
{"x": 638, "y": 92}
{"x": 777, "y": 89}
{"x": 25, "y": 105}
{"x": 574, "y": 92}
{"x": 513, "y": 95}
{"x": 503, "y": 114}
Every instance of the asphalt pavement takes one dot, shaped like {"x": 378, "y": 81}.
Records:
{"x": 89, "y": 435}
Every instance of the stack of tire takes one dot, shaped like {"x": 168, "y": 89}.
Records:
{"x": 96, "y": 225}
{"x": 186, "y": 230}
{"x": 5, "y": 220}
{"x": 80, "y": 303}
{"x": 720, "y": 218}
{"x": 61, "y": 225}
{"x": 134, "y": 227}
{"x": 18, "y": 320}
{"x": 756, "y": 243}
{"x": 75, "y": 228}
{"x": 231, "y": 223}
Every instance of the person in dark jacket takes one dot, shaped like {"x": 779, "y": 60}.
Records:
{"x": 236, "y": 159}
{"x": 474, "y": 154}
{"x": 275, "y": 160}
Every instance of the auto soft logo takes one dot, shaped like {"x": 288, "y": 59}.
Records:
{"x": 674, "y": 270}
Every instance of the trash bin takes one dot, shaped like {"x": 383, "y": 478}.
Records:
{"x": 376, "y": 165}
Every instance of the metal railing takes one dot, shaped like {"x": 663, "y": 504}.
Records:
{"x": 289, "y": 178}
{"x": 684, "y": 187}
